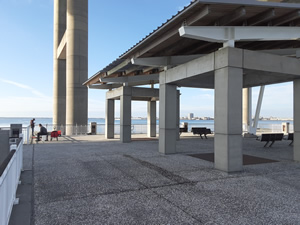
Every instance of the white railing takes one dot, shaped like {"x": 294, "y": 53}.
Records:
{"x": 84, "y": 129}
{"x": 273, "y": 128}
{"x": 9, "y": 182}
{"x": 135, "y": 129}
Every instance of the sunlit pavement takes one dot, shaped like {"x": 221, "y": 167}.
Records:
{"x": 90, "y": 180}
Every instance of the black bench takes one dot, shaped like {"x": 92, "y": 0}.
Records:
{"x": 291, "y": 138}
{"x": 271, "y": 137}
{"x": 201, "y": 131}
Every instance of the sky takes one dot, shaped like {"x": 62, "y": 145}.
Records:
{"x": 26, "y": 57}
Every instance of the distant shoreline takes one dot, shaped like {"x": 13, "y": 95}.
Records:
{"x": 145, "y": 118}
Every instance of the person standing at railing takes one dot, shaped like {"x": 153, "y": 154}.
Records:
{"x": 32, "y": 124}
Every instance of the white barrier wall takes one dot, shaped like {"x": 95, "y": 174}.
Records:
{"x": 9, "y": 182}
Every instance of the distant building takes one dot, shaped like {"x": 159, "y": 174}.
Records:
{"x": 191, "y": 116}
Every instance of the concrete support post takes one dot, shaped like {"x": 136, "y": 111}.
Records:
{"x": 151, "y": 119}
{"x": 247, "y": 109}
{"x": 167, "y": 118}
{"x": 178, "y": 115}
{"x": 77, "y": 64}
{"x": 110, "y": 119}
{"x": 125, "y": 115}
{"x": 228, "y": 119}
{"x": 297, "y": 120}
{"x": 59, "y": 65}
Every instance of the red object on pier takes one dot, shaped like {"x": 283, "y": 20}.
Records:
{"x": 54, "y": 134}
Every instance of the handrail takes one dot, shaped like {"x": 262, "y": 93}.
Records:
{"x": 6, "y": 161}
{"x": 9, "y": 181}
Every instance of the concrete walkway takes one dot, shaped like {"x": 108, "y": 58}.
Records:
{"x": 89, "y": 180}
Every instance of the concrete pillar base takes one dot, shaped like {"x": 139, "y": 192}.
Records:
{"x": 228, "y": 152}
{"x": 167, "y": 141}
{"x": 125, "y": 133}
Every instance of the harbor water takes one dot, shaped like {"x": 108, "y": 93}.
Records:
{"x": 138, "y": 125}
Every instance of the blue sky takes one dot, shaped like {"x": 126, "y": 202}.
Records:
{"x": 26, "y": 53}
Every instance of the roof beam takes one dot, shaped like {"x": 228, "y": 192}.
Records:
{"x": 233, "y": 33}
{"x": 205, "y": 11}
{"x": 118, "y": 67}
{"x": 148, "y": 69}
{"x": 164, "y": 60}
{"x": 237, "y": 14}
{"x": 143, "y": 82}
{"x": 131, "y": 79}
{"x": 283, "y": 52}
{"x": 201, "y": 48}
{"x": 104, "y": 86}
{"x": 262, "y": 17}
{"x": 133, "y": 69}
{"x": 286, "y": 18}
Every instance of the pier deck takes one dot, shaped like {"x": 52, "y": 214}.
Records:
{"x": 89, "y": 180}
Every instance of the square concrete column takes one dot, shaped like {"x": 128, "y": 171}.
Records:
{"x": 76, "y": 65}
{"x": 59, "y": 65}
{"x": 178, "y": 115}
{"x": 297, "y": 120}
{"x": 110, "y": 119}
{"x": 125, "y": 114}
{"x": 151, "y": 119}
{"x": 167, "y": 118}
{"x": 228, "y": 119}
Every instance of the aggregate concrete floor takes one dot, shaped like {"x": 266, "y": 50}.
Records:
{"x": 89, "y": 180}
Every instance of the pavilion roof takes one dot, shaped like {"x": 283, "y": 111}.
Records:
{"x": 166, "y": 41}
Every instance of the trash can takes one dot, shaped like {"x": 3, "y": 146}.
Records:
{"x": 285, "y": 128}
{"x": 185, "y": 126}
{"x": 15, "y": 130}
{"x": 93, "y": 128}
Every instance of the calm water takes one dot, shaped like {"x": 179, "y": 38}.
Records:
{"x": 6, "y": 121}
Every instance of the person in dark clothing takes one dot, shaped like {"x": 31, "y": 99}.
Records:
{"x": 43, "y": 131}
{"x": 32, "y": 124}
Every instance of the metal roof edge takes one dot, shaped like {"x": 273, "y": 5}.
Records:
{"x": 192, "y": 4}
{"x": 184, "y": 10}
{"x": 252, "y": 2}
